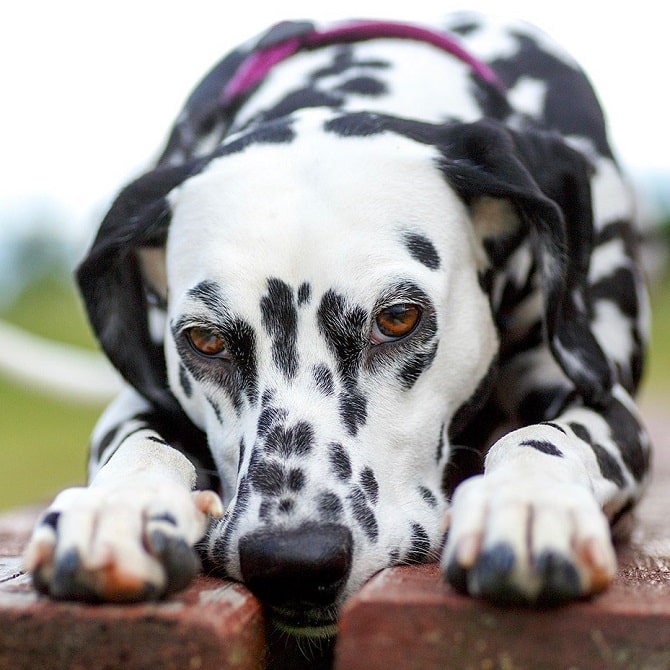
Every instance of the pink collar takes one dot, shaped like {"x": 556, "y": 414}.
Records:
{"x": 256, "y": 66}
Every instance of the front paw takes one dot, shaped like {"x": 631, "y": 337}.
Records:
{"x": 119, "y": 545}
{"x": 515, "y": 542}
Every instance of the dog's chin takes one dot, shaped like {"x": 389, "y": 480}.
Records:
{"x": 314, "y": 623}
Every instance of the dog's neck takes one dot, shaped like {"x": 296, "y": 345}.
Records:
{"x": 286, "y": 39}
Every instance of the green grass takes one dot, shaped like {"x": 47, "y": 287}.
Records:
{"x": 43, "y": 441}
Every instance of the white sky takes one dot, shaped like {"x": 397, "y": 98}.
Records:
{"x": 89, "y": 89}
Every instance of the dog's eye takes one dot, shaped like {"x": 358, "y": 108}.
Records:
{"x": 395, "y": 322}
{"x": 206, "y": 342}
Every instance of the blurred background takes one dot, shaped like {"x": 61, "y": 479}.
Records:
{"x": 89, "y": 91}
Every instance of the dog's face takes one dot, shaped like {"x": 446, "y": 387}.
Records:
{"x": 325, "y": 322}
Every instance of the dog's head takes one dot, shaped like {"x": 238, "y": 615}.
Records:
{"x": 312, "y": 296}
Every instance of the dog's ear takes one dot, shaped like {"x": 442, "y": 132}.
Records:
{"x": 533, "y": 183}
{"x": 111, "y": 282}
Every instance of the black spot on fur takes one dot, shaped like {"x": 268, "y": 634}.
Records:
{"x": 268, "y": 477}
{"x": 583, "y": 117}
{"x": 369, "y": 484}
{"x": 428, "y": 496}
{"x": 626, "y": 433}
{"x": 367, "y": 86}
{"x": 344, "y": 328}
{"x": 107, "y": 439}
{"x": 417, "y": 364}
{"x": 353, "y": 410}
{"x": 304, "y": 294}
{"x": 276, "y": 131}
{"x": 185, "y": 382}
{"x": 439, "y": 452}
{"x": 362, "y": 513}
{"x": 286, "y": 505}
{"x": 340, "y": 461}
{"x": 297, "y": 440}
{"x": 422, "y": 250}
{"x": 555, "y": 426}
{"x": 296, "y": 480}
{"x": 280, "y": 320}
{"x": 216, "y": 557}
{"x": 323, "y": 378}
{"x": 419, "y": 551}
{"x": 359, "y": 124}
{"x": 543, "y": 446}
{"x": 609, "y": 468}
{"x": 330, "y": 507}
{"x": 269, "y": 417}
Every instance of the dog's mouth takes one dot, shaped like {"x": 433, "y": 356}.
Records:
{"x": 312, "y": 622}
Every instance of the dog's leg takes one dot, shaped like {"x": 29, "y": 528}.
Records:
{"x": 535, "y": 527}
{"x": 129, "y": 535}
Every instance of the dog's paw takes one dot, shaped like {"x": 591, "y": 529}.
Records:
{"x": 123, "y": 544}
{"x": 514, "y": 542}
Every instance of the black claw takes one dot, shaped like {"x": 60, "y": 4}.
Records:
{"x": 491, "y": 577}
{"x": 50, "y": 519}
{"x": 181, "y": 563}
{"x": 40, "y": 581}
{"x": 559, "y": 577}
{"x": 66, "y": 583}
{"x": 457, "y": 576}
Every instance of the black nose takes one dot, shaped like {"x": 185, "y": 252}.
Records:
{"x": 303, "y": 566}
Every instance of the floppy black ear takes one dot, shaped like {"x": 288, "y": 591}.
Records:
{"x": 547, "y": 185}
{"x": 111, "y": 283}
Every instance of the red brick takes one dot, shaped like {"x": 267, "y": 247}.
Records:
{"x": 408, "y": 618}
{"x": 212, "y": 625}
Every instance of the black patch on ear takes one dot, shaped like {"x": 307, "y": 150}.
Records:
{"x": 422, "y": 250}
{"x": 280, "y": 320}
{"x": 549, "y": 185}
{"x": 111, "y": 282}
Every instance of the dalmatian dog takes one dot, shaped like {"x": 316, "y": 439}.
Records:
{"x": 381, "y": 283}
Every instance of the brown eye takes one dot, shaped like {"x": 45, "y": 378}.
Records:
{"x": 395, "y": 322}
{"x": 206, "y": 342}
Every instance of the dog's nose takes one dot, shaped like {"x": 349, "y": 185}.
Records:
{"x": 305, "y": 566}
